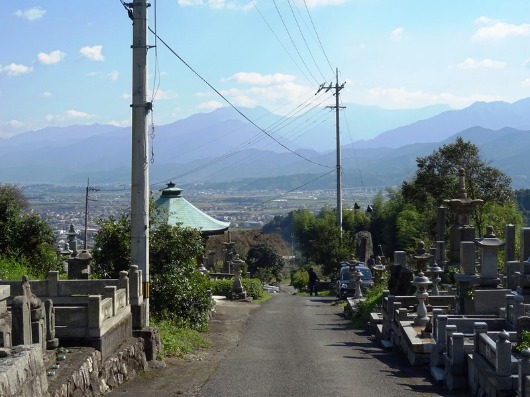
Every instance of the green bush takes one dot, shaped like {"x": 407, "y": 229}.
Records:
{"x": 182, "y": 296}
{"x": 374, "y": 298}
{"x": 221, "y": 287}
{"x": 252, "y": 287}
{"x": 300, "y": 279}
{"x": 525, "y": 341}
{"x": 14, "y": 270}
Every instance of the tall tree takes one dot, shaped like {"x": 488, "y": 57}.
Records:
{"x": 178, "y": 290}
{"x": 263, "y": 259}
{"x": 437, "y": 179}
{"x": 25, "y": 237}
{"x": 319, "y": 239}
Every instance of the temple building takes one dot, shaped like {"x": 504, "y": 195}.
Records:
{"x": 175, "y": 209}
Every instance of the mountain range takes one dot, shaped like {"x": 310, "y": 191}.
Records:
{"x": 255, "y": 149}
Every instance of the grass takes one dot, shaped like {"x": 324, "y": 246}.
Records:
{"x": 372, "y": 302}
{"x": 177, "y": 342}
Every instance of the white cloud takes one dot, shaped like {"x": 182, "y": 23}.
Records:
{"x": 261, "y": 79}
{"x": 14, "y": 69}
{"x": 123, "y": 123}
{"x": 31, "y": 14}
{"x": 165, "y": 95}
{"x": 92, "y": 52}
{"x": 218, "y": 4}
{"x": 401, "y": 98}
{"x": 470, "y": 63}
{"x": 526, "y": 82}
{"x": 113, "y": 75}
{"x": 397, "y": 34}
{"x": 190, "y": 3}
{"x": 110, "y": 75}
{"x": 46, "y": 94}
{"x": 497, "y": 30}
{"x": 13, "y": 127}
{"x": 210, "y": 105}
{"x": 323, "y": 3}
{"x": 51, "y": 58}
{"x": 70, "y": 114}
{"x": 269, "y": 90}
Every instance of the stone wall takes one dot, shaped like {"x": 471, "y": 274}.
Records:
{"x": 95, "y": 377}
{"x": 22, "y": 372}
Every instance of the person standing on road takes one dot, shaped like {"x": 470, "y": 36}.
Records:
{"x": 313, "y": 279}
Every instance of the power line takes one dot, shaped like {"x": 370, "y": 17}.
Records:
{"x": 233, "y": 106}
{"x": 297, "y": 188}
{"x": 305, "y": 41}
{"x": 292, "y": 41}
{"x": 279, "y": 41}
{"x": 318, "y": 37}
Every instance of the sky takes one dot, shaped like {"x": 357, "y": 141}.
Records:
{"x": 69, "y": 62}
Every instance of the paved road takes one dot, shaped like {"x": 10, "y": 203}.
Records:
{"x": 301, "y": 346}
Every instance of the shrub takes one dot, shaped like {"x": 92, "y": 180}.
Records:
{"x": 525, "y": 341}
{"x": 221, "y": 287}
{"x": 374, "y": 297}
{"x": 252, "y": 286}
{"x": 183, "y": 297}
{"x": 300, "y": 279}
{"x": 14, "y": 270}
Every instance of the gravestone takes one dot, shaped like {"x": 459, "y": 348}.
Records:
{"x": 238, "y": 291}
{"x": 5, "y": 317}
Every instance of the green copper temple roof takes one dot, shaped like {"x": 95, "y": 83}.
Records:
{"x": 175, "y": 209}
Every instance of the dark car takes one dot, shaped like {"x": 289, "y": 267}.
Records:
{"x": 346, "y": 281}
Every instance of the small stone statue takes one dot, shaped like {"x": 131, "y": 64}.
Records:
{"x": 32, "y": 298}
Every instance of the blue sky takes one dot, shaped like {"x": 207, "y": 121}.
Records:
{"x": 69, "y": 62}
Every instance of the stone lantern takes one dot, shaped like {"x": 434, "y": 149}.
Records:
{"x": 379, "y": 270}
{"x": 421, "y": 283}
{"x": 357, "y": 275}
{"x": 435, "y": 271}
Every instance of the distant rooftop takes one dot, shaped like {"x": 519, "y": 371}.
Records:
{"x": 175, "y": 209}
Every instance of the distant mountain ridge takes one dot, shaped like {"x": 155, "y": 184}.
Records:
{"x": 492, "y": 115}
{"x": 222, "y": 148}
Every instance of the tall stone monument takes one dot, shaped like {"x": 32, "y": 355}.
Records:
{"x": 461, "y": 207}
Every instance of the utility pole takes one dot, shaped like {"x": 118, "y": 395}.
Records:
{"x": 339, "y": 165}
{"x": 140, "y": 156}
{"x": 87, "y": 199}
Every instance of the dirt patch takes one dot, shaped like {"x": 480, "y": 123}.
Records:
{"x": 185, "y": 377}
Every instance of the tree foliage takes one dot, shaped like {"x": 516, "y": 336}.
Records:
{"x": 243, "y": 241}
{"x": 436, "y": 179}
{"x": 25, "y": 237}
{"x": 265, "y": 262}
{"x": 320, "y": 240}
{"x": 179, "y": 292}
{"x": 522, "y": 197}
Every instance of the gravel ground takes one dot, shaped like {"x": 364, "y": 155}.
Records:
{"x": 185, "y": 377}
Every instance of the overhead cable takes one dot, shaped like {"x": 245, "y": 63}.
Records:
{"x": 234, "y": 107}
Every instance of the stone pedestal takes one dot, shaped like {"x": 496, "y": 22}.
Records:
{"x": 79, "y": 267}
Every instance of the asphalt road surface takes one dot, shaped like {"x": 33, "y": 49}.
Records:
{"x": 297, "y": 345}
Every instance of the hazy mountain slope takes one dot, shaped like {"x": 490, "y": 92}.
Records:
{"x": 222, "y": 146}
{"x": 493, "y": 115}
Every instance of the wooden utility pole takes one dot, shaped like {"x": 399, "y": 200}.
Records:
{"x": 140, "y": 156}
